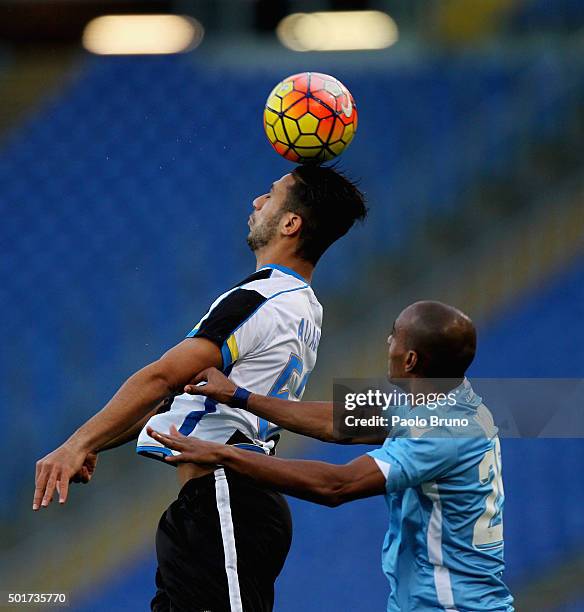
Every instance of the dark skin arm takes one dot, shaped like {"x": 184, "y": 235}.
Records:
{"x": 313, "y": 419}
{"x": 134, "y": 401}
{"x": 315, "y": 481}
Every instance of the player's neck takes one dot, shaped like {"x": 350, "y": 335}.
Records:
{"x": 272, "y": 256}
{"x": 425, "y": 386}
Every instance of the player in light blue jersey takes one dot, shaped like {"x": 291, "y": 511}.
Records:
{"x": 444, "y": 548}
{"x": 440, "y": 469}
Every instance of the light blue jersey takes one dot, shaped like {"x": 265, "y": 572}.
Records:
{"x": 444, "y": 546}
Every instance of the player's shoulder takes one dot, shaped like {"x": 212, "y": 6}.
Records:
{"x": 272, "y": 281}
{"x": 273, "y": 291}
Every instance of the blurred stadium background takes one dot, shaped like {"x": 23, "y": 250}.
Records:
{"x": 125, "y": 184}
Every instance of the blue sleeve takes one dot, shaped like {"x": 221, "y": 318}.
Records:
{"x": 408, "y": 462}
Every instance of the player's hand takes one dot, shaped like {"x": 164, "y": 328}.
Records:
{"x": 191, "y": 449}
{"x": 85, "y": 474}
{"x": 54, "y": 472}
{"x": 218, "y": 386}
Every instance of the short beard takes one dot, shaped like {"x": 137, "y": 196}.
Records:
{"x": 261, "y": 235}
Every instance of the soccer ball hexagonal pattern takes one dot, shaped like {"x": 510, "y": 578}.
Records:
{"x": 310, "y": 117}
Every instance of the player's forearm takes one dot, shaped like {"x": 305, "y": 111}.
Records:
{"x": 135, "y": 399}
{"x": 313, "y": 481}
{"x": 314, "y": 419}
{"x": 130, "y": 434}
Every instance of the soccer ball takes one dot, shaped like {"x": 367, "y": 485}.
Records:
{"x": 310, "y": 117}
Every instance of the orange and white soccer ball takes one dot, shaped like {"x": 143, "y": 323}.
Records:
{"x": 310, "y": 117}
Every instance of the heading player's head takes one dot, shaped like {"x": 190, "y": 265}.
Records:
{"x": 305, "y": 212}
{"x": 431, "y": 340}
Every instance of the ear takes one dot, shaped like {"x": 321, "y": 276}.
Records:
{"x": 411, "y": 361}
{"x": 291, "y": 224}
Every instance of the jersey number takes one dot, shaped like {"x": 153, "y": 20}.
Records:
{"x": 488, "y": 530}
{"x": 290, "y": 380}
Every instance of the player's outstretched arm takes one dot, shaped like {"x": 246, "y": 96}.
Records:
{"x": 138, "y": 396}
{"x": 85, "y": 474}
{"x": 132, "y": 432}
{"x": 313, "y": 419}
{"x": 315, "y": 481}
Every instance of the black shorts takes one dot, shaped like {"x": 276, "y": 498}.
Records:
{"x": 221, "y": 546}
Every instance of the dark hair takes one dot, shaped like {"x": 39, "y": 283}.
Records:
{"x": 446, "y": 357}
{"x": 444, "y": 339}
{"x": 329, "y": 204}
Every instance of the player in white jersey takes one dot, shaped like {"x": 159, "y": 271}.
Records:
{"x": 222, "y": 543}
{"x": 268, "y": 329}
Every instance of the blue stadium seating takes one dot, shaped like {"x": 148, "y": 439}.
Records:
{"x": 547, "y": 15}
{"x": 123, "y": 212}
{"x": 574, "y": 606}
{"x": 543, "y": 339}
{"x": 125, "y": 202}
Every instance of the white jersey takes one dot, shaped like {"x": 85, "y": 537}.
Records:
{"x": 268, "y": 328}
